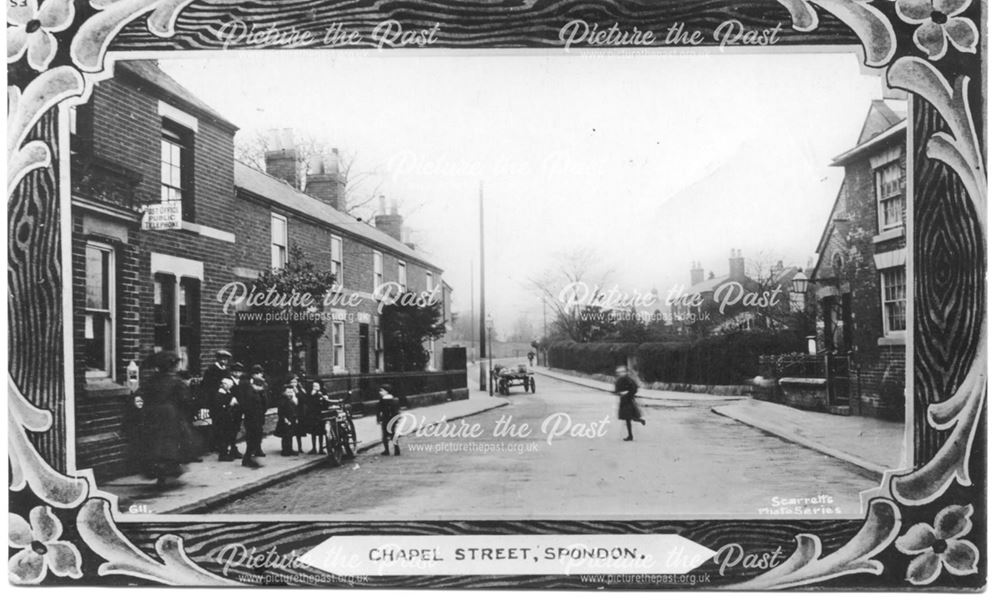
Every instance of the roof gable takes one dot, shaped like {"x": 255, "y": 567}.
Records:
{"x": 149, "y": 71}
{"x": 879, "y": 119}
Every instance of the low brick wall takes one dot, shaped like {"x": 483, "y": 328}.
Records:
{"x": 804, "y": 393}
{"x": 367, "y": 408}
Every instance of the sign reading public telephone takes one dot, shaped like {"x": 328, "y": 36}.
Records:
{"x": 162, "y": 217}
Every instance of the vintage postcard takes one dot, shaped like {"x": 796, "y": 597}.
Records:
{"x": 604, "y": 295}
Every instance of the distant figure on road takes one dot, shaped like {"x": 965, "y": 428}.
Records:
{"x": 628, "y": 410}
{"x": 531, "y": 358}
{"x": 386, "y": 412}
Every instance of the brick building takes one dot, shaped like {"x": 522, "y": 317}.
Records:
{"x": 364, "y": 257}
{"x": 859, "y": 281}
{"x": 718, "y": 313}
{"x": 145, "y": 280}
{"x": 143, "y": 139}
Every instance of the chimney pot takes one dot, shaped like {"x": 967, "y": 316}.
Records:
{"x": 697, "y": 273}
{"x": 389, "y": 223}
{"x": 281, "y": 157}
{"x": 323, "y": 180}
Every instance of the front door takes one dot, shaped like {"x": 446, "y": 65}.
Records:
{"x": 363, "y": 343}
{"x": 839, "y": 334}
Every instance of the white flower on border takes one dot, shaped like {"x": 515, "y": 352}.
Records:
{"x": 29, "y": 30}
{"x": 940, "y": 546}
{"x": 938, "y": 22}
{"x": 38, "y": 549}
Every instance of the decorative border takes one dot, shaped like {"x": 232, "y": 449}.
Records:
{"x": 929, "y": 49}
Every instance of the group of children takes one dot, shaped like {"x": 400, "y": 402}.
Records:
{"x": 300, "y": 414}
{"x": 237, "y": 398}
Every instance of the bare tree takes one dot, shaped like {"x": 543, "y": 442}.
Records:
{"x": 580, "y": 267}
{"x": 768, "y": 274}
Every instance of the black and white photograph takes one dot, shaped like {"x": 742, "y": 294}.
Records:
{"x": 619, "y": 296}
{"x": 686, "y": 285}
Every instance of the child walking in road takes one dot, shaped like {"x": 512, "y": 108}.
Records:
{"x": 628, "y": 410}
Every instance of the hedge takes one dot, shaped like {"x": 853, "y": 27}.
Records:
{"x": 715, "y": 360}
{"x": 589, "y": 357}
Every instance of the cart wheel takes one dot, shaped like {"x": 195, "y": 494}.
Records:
{"x": 527, "y": 385}
{"x": 532, "y": 385}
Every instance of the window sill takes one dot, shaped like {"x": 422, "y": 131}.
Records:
{"x": 888, "y": 235}
{"x": 207, "y": 231}
{"x": 893, "y": 340}
{"x": 104, "y": 387}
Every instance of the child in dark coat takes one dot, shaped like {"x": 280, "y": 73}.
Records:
{"x": 287, "y": 418}
{"x": 386, "y": 412}
{"x": 311, "y": 419}
{"x": 223, "y": 404}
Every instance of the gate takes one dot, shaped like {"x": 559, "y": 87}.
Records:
{"x": 838, "y": 384}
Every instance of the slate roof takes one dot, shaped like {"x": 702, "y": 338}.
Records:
{"x": 150, "y": 71}
{"x": 282, "y": 194}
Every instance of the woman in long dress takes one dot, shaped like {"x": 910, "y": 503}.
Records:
{"x": 165, "y": 398}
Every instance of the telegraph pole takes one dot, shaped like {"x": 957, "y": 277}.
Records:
{"x": 472, "y": 304}
{"x": 545, "y": 329}
{"x": 482, "y": 293}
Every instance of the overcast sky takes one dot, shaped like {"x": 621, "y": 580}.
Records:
{"x": 653, "y": 161}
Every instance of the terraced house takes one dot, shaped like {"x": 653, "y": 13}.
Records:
{"x": 163, "y": 219}
{"x": 859, "y": 282}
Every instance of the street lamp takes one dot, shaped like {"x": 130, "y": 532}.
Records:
{"x": 489, "y": 332}
{"x": 800, "y": 283}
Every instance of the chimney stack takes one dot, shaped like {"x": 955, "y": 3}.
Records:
{"x": 392, "y": 223}
{"x": 697, "y": 273}
{"x": 324, "y": 180}
{"x": 737, "y": 268}
{"x": 281, "y": 157}
{"x": 408, "y": 238}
